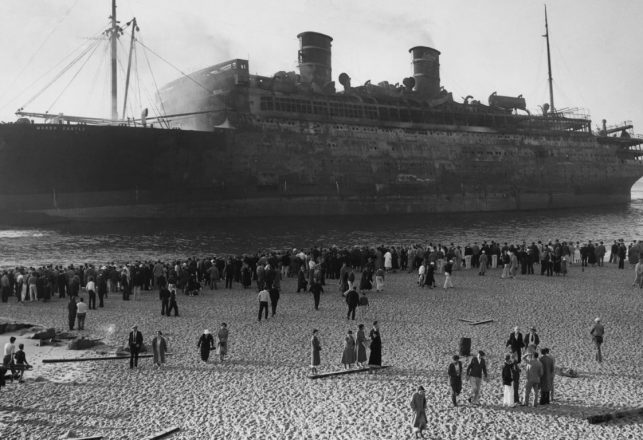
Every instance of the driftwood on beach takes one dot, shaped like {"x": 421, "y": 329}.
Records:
{"x": 601, "y": 418}
{"x": 101, "y": 358}
{"x": 341, "y": 372}
{"x": 485, "y": 321}
{"x": 163, "y": 433}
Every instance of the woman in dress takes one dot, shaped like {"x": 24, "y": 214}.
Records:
{"x": 348, "y": 356}
{"x": 315, "y": 349}
{"x": 206, "y": 343}
{"x": 507, "y": 379}
{"x": 361, "y": 346}
{"x": 375, "y": 358}
{"x": 222, "y": 344}
{"x": 418, "y": 405}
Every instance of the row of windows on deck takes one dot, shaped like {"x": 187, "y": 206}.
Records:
{"x": 370, "y": 111}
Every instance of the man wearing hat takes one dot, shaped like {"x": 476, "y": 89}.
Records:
{"x": 531, "y": 339}
{"x": 597, "y": 333}
{"x": 455, "y": 378}
{"x": 476, "y": 369}
{"x": 135, "y": 344}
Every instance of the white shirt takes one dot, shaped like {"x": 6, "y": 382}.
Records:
{"x": 81, "y": 307}
{"x": 90, "y": 286}
{"x": 9, "y": 349}
{"x": 264, "y": 296}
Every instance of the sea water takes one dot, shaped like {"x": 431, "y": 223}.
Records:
{"x": 123, "y": 241}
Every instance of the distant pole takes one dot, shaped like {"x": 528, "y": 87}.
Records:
{"x": 551, "y": 81}
{"x": 113, "y": 36}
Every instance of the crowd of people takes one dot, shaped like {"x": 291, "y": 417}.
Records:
{"x": 311, "y": 266}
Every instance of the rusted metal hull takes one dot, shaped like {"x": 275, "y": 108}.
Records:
{"x": 82, "y": 172}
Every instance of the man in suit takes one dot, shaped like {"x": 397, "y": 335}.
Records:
{"x": 455, "y": 378}
{"x": 534, "y": 372}
{"x": 135, "y": 344}
{"x": 547, "y": 379}
{"x": 532, "y": 338}
{"x": 516, "y": 342}
{"x": 476, "y": 369}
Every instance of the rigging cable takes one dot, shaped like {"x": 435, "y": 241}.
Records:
{"x": 175, "y": 68}
{"x": 37, "y": 51}
{"x": 149, "y": 66}
{"x": 73, "y": 77}
{"x": 89, "y": 48}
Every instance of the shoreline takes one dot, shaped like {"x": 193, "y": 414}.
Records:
{"x": 262, "y": 390}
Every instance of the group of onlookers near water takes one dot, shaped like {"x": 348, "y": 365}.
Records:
{"x": 538, "y": 368}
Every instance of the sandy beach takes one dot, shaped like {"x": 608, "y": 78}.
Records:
{"x": 262, "y": 390}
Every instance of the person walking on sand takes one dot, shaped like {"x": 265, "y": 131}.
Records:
{"x": 8, "y": 359}
{"x": 507, "y": 379}
{"x": 597, "y": 332}
{"x": 515, "y": 373}
{"x": 348, "y": 355}
{"x": 90, "y": 287}
{"x": 222, "y": 341}
{"x": 363, "y": 305}
{"x": 531, "y": 341}
{"x": 264, "y": 298}
{"x": 71, "y": 312}
{"x": 173, "y": 305}
{"x": 476, "y": 369}
{"x": 135, "y": 342}
{"x": 638, "y": 275}
{"x": 159, "y": 348}
{"x": 352, "y": 300}
{"x": 361, "y": 346}
{"x": 316, "y": 289}
{"x": 516, "y": 342}
{"x": 81, "y": 313}
{"x": 205, "y": 344}
{"x": 375, "y": 357}
{"x": 448, "y": 269}
{"x": 20, "y": 359}
{"x": 418, "y": 405}
{"x": 455, "y": 378}
{"x": 274, "y": 299}
{"x": 547, "y": 379}
{"x": 314, "y": 354}
{"x": 534, "y": 372}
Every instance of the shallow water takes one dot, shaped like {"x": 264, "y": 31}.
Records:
{"x": 160, "y": 239}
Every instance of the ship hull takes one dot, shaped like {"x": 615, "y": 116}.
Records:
{"x": 57, "y": 172}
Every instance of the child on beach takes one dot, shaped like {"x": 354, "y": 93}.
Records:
{"x": 363, "y": 304}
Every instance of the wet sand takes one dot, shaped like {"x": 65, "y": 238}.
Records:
{"x": 262, "y": 390}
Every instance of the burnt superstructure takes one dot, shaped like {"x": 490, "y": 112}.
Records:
{"x": 236, "y": 144}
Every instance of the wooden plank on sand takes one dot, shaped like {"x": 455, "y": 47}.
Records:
{"x": 102, "y": 358}
{"x": 486, "y": 321}
{"x": 465, "y": 320}
{"x": 341, "y": 372}
{"x": 600, "y": 418}
{"x": 164, "y": 433}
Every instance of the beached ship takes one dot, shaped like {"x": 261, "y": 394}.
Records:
{"x": 235, "y": 144}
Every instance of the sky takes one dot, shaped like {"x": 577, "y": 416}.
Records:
{"x": 486, "y": 46}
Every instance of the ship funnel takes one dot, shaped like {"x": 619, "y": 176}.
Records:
{"x": 426, "y": 71}
{"x": 315, "y": 58}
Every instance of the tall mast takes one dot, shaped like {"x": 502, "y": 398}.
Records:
{"x": 113, "y": 36}
{"x": 551, "y": 87}
{"x": 129, "y": 62}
